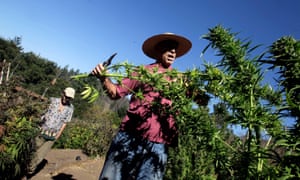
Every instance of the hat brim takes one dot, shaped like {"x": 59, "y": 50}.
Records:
{"x": 184, "y": 45}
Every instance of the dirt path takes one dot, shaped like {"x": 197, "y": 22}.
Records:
{"x": 68, "y": 164}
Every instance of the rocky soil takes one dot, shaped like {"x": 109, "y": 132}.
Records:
{"x": 68, "y": 164}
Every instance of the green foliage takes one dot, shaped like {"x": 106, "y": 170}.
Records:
{"x": 18, "y": 116}
{"x": 286, "y": 56}
{"x": 239, "y": 86}
{"x": 9, "y": 48}
{"x": 195, "y": 142}
{"x": 206, "y": 149}
{"x": 16, "y": 148}
{"x": 93, "y": 135}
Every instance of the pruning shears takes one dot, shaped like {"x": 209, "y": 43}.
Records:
{"x": 90, "y": 92}
{"x": 108, "y": 61}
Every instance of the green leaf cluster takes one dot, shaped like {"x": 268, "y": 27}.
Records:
{"x": 207, "y": 147}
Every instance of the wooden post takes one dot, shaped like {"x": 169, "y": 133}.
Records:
{"x": 8, "y": 71}
{"x": 2, "y": 71}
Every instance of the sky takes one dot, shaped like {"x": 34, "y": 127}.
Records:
{"x": 81, "y": 33}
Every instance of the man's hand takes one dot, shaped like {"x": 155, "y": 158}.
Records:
{"x": 99, "y": 71}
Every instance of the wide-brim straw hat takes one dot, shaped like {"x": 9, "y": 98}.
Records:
{"x": 149, "y": 46}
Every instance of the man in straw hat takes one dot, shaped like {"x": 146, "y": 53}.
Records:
{"x": 53, "y": 123}
{"x": 139, "y": 149}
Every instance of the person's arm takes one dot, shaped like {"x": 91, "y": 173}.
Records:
{"x": 60, "y": 131}
{"x": 111, "y": 88}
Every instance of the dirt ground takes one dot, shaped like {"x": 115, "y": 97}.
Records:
{"x": 68, "y": 164}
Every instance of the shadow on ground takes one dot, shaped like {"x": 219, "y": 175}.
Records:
{"x": 68, "y": 164}
{"x": 63, "y": 176}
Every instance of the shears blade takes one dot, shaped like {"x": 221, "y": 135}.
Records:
{"x": 108, "y": 61}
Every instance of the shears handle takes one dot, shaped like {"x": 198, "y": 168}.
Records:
{"x": 107, "y": 62}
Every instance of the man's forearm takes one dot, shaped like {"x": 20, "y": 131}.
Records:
{"x": 110, "y": 87}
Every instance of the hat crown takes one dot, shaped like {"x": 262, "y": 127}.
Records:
{"x": 70, "y": 92}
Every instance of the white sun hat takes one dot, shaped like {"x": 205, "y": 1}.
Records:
{"x": 70, "y": 92}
